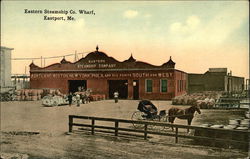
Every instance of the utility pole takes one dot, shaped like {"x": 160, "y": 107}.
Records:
{"x": 75, "y": 56}
{"x": 41, "y": 61}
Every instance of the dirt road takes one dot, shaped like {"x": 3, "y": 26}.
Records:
{"x": 52, "y": 142}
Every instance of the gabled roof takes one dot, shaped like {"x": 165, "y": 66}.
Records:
{"x": 99, "y": 60}
{"x": 32, "y": 65}
{"x": 130, "y": 59}
{"x": 169, "y": 64}
{"x": 64, "y": 61}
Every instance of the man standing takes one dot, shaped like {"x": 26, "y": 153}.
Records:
{"x": 78, "y": 99}
{"x": 70, "y": 96}
{"x": 116, "y": 94}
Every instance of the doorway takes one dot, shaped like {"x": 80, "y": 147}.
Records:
{"x": 135, "y": 89}
{"x": 75, "y": 85}
{"x": 118, "y": 85}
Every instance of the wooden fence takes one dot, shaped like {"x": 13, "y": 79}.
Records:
{"x": 202, "y": 134}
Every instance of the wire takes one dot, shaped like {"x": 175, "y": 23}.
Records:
{"x": 51, "y": 57}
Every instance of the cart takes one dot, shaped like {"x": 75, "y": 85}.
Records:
{"x": 148, "y": 112}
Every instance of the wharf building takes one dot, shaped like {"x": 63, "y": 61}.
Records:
{"x": 5, "y": 62}
{"x": 104, "y": 75}
{"x": 215, "y": 79}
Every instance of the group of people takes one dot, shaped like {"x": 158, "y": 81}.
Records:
{"x": 78, "y": 97}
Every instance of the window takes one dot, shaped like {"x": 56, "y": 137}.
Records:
{"x": 178, "y": 85}
{"x": 164, "y": 85}
{"x": 181, "y": 85}
{"x": 149, "y": 85}
{"x": 184, "y": 85}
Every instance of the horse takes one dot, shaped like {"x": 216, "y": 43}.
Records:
{"x": 187, "y": 113}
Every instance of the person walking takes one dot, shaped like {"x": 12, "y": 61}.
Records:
{"x": 116, "y": 95}
{"x": 70, "y": 96}
{"x": 78, "y": 100}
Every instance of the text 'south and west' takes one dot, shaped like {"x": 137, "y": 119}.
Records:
{"x": 59, "y": 15}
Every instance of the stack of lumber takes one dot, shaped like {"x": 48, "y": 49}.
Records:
{"x": 204, "y": 100}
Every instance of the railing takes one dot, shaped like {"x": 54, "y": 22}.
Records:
{"x": 145, "y": 131}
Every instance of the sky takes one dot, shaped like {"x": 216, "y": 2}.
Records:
{"x": 198, "y": 35}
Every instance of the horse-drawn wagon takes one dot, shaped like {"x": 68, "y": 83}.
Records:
{"x": 148, "y": 111}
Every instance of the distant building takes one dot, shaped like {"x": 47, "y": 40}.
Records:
{"x": 104, "y": 75}
{"x": 5, "y": 61}
{"x": 20, "y": 81}
{"x": 215, "y": 79}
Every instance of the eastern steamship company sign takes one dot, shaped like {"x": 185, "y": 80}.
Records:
{"x": 96, "y": 64}
{"x": 100, "y": 75}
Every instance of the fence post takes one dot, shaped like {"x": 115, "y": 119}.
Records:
{"x": 145, "y": 131}
{"x": 176, "y": 135}
{"x": 70, "y": 123}
{"x": 93, "y": 127}
{"x": 238, "y": 103}
{"x": 116, "y": 128}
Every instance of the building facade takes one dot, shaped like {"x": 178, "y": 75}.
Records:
{"x": 5, "y": 61}
{"x": 104, "y": 75}
{"x": 215, "y": 79}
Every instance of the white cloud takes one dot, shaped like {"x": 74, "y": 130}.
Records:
{"x": 130, "y": 14}
{"x": 191, "y": 23}
{"x": 212, "y": 33}
{"x": 223, "y": 24}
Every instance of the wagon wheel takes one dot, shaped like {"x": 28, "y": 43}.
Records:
{"x": 158, "y": 119}
{"x": 55, "y": 103}
{"x": 46, "y": 102}
{"x": 137, "y": 115}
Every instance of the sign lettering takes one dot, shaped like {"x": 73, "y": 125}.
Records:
{"x": 101, "y": 75}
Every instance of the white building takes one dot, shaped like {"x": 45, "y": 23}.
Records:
{"x": 5, "y": 61}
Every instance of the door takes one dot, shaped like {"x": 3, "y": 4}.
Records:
{"x": 135, "y": 89}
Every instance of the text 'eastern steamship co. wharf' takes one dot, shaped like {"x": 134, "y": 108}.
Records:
{"x": 45, "y": 11}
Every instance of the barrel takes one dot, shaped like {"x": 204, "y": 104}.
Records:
{"x": 34, "y": 98}
{"x": 18, "y": 97}
{"x": 34, "y": 92}
{"x": 38, "y": 97}
{"x": 29, "y": 98}
{"x": 39, "y": 92}
{"x": 22, "y": 98}
{"x": 30, "y": 91}
{"x": 21, "y": 92}
{"x": 52, "y": 91}
{"x": 57, "y": 92}
{"x": 18, "y": 92}
{"x": 94, "y": 97}
{"x": 26, "y": 92}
